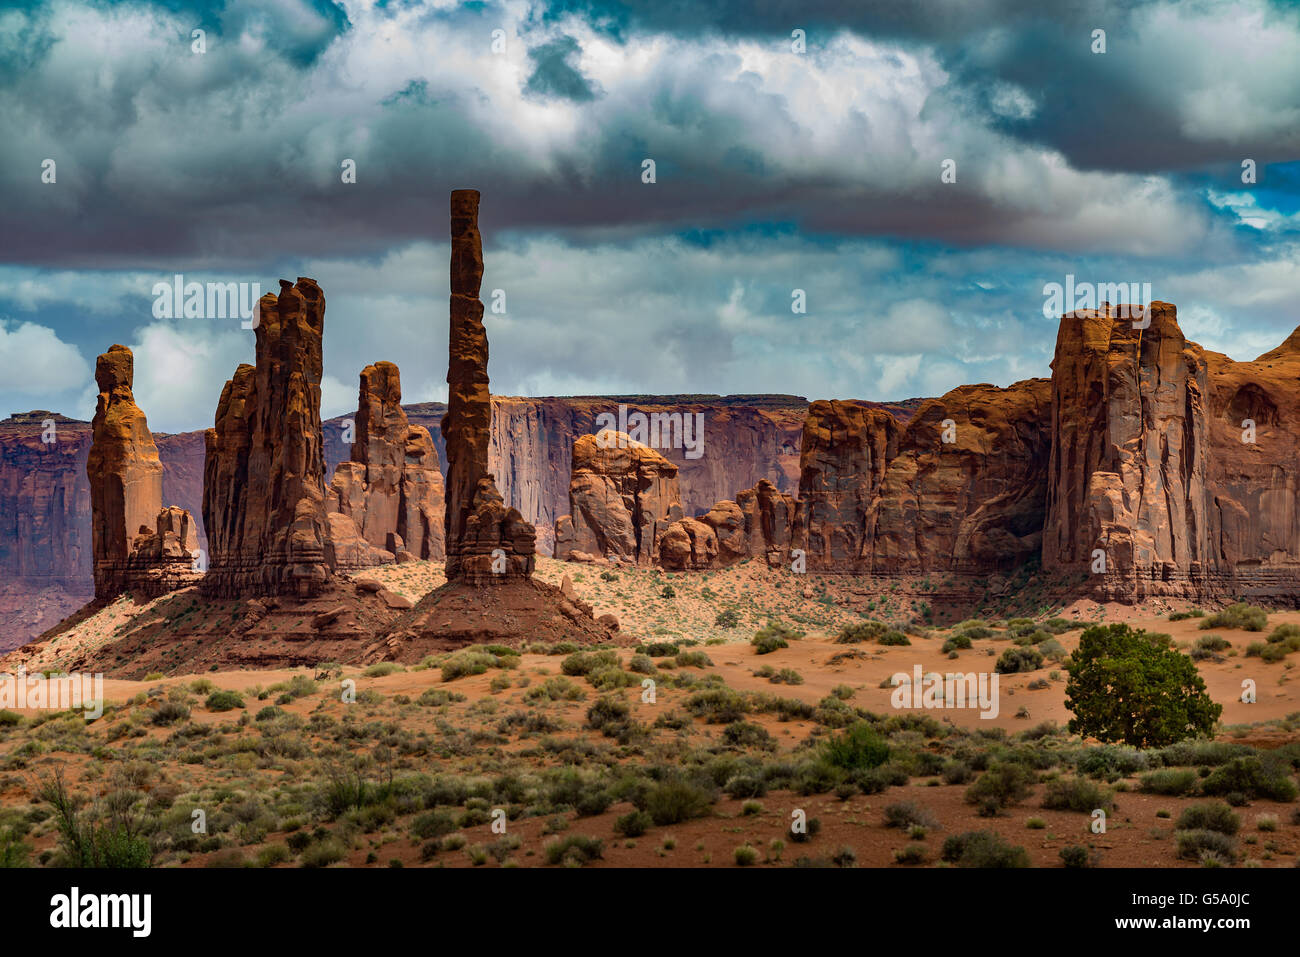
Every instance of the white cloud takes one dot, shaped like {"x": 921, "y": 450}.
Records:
{"x": 37, "y": 362}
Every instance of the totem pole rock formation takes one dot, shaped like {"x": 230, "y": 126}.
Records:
{"x": 264, "y": 486}
{"x": 622, "y": 496}
{"x": 490, "y": 594}
{"x": 386, "y": 503}
{"x": 486, "y": 542}
{"x": 139, "y": 546}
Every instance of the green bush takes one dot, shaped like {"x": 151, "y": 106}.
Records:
{"x": 1209, "y": 817}
{"x": 1255, "y": 777}
{"x": 1003, "y": 784}
{"x": 169, "y": 712}
{"x": 956, "y": 642}
{"x": 633, "y": 824}
{"x": 676, "y": 800}
{"x": 894, "y": 637}
{"x": 1075, "y": 794}
{"x": 983, "y": 849}
{"x": 860, "y": 632}
{"x": 1194, "y": 845}
{"x": 727, "y": 618}
{"x": 1173, "y": 782}
{"x": 584, "y": 662}
{"x": 224, "y": 701}
{"x": 1241, "y": 616}
{"x": 1075, "y": 856}
{"x": 574, "y": 850}
{"x": 858, "y": 747}
{"x": 1018, "y": 659}
{"x": 746, "y": 855}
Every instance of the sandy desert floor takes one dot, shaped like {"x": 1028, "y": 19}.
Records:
{"x": 585, "y": 771}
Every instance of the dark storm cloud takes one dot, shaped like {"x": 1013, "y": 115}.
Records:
{"x": 232, "y": 157}
{"x": 555, "y": 75}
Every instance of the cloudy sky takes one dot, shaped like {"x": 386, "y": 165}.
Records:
{"x": 776, "y": 168}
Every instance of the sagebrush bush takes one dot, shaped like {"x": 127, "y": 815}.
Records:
{"x": 983, "y": 849}
{"x": 1241, "y": 616}
{"x": 1209, "y": 817}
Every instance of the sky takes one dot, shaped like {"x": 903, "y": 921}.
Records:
{"x": 919, "y": 171}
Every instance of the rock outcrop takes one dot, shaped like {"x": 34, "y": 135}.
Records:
{"x": 139, "y": 546}
{"x": 758, "y": 524}
{"x": 621, "y": 498}
{"x": 486, "y": 542}
{"x": 386, "y": 503}
{"x": 264, "y": 486}
{"x": 1127, "y": 496}
{"x": 966, "y": 490}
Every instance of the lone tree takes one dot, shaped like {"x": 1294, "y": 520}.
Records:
{"x": 1125, "y": 686}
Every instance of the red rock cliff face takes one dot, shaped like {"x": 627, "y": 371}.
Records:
{"x": 264, "y": 487}
{"x": 966, "y": 491}
{"x": 1254, "y": 470}
{"x": 1127, "y": 496}
{"x": 846, "y": 449}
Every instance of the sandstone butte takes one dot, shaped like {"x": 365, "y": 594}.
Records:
{"x": 386, "y": 503}
{"x": 139, "y": 546}
{"x": 263, "y": 489}
{"x": 1146, "y": 466}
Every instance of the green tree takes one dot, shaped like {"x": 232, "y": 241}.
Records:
{"x": 1125, "y": 687}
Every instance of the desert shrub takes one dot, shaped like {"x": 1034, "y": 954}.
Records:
{"x": 584, "y": 662}
{"x": 574, "y": 850}
{"x": 668, "y": 592}
{"x": 382, "y": 668}
{"x": 1111, "y": 761}
{"x": 1173, "y": 782}
{"x": 893, "y": 637}
{"x": 661, "y": 649}
{"x": 1254, "y": 777}
{"x": 224, "y": 701}
{"x": 956, "y": 642}
{"x": 809, "y": 830}
{"x": 977, "y": 632}
{"x": 1213, "y": 643}
{"x": 717, "y": 705}
{"x": 745, "y": 734}
{"x": 169, "y": 712}
{"x": 1075, "y": 856}
{"x": 608, "y": 716}
{"x": 983, "y": 849}
{"x": 745, "y": 855}
{"x": 905, "y": 814}
{"x": 858, "y": 747}
{"x": 693, "y": 659}
{"x": 323, "y": 853}
{"x": 1123, "y": 687}
{"x": 676, "y": 800}
{"x": 1184, "y": 615}
{"x": 1240, "y": 616}
{"x": 727, "y": 618}
{"x": 1286, "y": 634}
{"x": 1002, "y": 785}
{"x": 641, "y": 664}
{"x": 860, "y": 632}
{"x": 633, "y": 824}
{"x": 1193, "y": 845}
{"x": 774, "y": 636}
{"x": 554, "y": 689}
{"x": 468, "y": 662}
{"x": 1266, "y": 652}
{"x": 956, "y": 772}
{"x": 912, "y": 854}
{"x": 1209, "y": 817}
{"x": 1019, "y": 659}
{"x": 1075, "y": 794}
{"x": 788, "y": 676}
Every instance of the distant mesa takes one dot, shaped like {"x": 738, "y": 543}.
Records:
{"x": 40, "y": 417}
